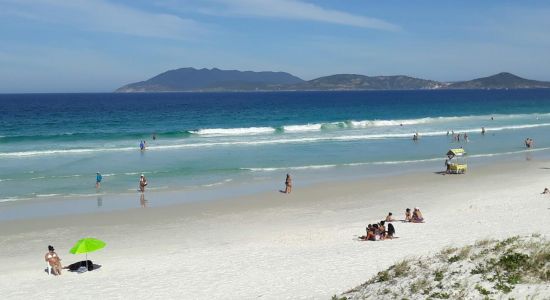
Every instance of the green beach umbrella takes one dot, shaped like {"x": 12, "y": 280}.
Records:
{"x": 86, "y": 245}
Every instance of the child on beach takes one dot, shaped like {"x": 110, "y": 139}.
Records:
{"x": 391, "y": 231}
{"x": 382, "y": 230}
{"x": 408, "y": 216}
{"x": 390, "y": 218}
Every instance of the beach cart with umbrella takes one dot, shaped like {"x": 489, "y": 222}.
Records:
{"x": 456, "y": 163}
{"x": 86, "y": 245}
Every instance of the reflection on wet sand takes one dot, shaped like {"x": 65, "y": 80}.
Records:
{"x": 99, "y": 201}
{"x": 142, "y": 200}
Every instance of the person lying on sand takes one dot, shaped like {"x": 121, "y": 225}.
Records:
{"x": 408, "y": 216}
{"x": 53, "y": 260}
{"x": 417, "y": 216}
{"x": 390, "y": 218}
{"x": 546, "y": 191}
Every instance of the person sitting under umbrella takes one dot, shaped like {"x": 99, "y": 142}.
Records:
{"x": 53, "y": 259}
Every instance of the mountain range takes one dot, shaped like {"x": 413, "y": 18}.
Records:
{"x": 216, "y": 80}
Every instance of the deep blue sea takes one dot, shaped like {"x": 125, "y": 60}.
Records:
{"x": 51, "y": 145}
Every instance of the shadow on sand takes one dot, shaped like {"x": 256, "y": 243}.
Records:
{"x": 74, "y": 267}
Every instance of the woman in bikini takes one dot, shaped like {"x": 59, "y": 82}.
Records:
{"x": 53, "y": 259}
{"x": 417, "y": 216}
{"x": 288, "y": 184}
{"x": 142, "y": 183}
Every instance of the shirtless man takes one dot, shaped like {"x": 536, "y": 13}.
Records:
{"x": 390, "y": 218}
{"x": 53, "y": 260}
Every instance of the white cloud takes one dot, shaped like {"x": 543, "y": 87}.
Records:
{"x": 298, "y": 10}
{"x": 103, "y": 16}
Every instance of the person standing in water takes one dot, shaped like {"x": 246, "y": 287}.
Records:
{"x": 141, "y": 145}
{"x": 142, "y": 183}
{"x": 482, "y": 130}
{"x": 288, "y": 184}
{"x": 98, "y": 179}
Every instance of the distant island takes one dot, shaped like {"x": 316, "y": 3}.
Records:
{"x": 216, "y": 80}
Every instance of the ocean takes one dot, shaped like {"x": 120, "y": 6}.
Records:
{"x": 51, "y": 145}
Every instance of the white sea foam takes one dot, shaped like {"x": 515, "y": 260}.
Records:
{"x": 67, "y": 176}
{"x": 12, "y": 199}
{"x": 302, "y": 128}
{"x": 245, "y": 142}
{"x": 217, "y": 183}
{"x": 234, "y": 131}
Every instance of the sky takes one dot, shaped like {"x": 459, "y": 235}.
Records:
{"x": 100, "y": 45}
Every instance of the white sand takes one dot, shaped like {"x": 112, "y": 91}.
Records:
{"x": 274, "y": 246}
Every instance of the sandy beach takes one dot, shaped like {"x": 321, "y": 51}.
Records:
{"x": 271, "y": 245}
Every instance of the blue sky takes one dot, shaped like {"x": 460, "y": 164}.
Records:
{"x": 99, "y": 45}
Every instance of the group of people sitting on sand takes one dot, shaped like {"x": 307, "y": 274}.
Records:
{"x": 415, "y": 217}
{"x": 378, "y": 231}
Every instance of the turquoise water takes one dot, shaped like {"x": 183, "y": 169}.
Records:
{"x": 51, "y": 145}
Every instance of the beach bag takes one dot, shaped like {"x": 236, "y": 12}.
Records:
{"x": 76, "y": 266}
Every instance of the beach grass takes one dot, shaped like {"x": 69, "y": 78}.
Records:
{"x": 488, "y": 269}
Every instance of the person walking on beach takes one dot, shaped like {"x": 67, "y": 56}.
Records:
{"x": 53, "y": 260}
{"x": 142, "y": 183}
{"x": 288, "y": 184}
{"x": 98, "y": 179}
